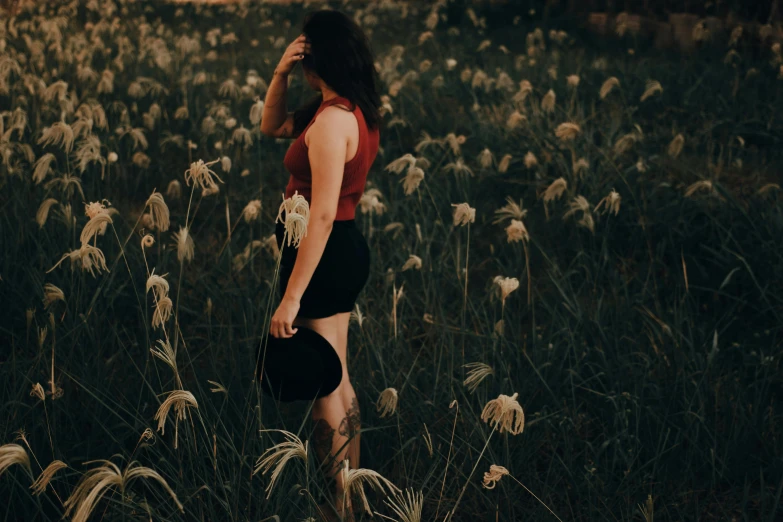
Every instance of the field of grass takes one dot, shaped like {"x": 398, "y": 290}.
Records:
{"x": 633, "y": 194}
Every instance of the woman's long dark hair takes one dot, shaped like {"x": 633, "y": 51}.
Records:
{"x": 341, "y": 56}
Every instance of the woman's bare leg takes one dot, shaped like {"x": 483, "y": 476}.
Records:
{"x": 335, "y": 416}
{"x": 331, "y": 446}
{"x": 352, "y": 423}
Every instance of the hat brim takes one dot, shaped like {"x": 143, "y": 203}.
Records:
{"x": 304, "y": 366}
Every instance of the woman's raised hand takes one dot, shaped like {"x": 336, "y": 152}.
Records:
{"x": 294, "y": 53}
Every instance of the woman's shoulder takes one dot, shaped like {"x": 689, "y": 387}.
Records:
{"x": 336, "y": 113}
{"x": 332, "y": 122}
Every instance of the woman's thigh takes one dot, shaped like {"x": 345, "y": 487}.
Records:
{"x": 338, "y": 278}
{"x": 334, "y": 329}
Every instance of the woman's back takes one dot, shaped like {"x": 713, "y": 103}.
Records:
{"x": 356, "y": 169}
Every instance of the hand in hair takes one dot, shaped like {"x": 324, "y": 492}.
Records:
{"x": 293, "y": 54}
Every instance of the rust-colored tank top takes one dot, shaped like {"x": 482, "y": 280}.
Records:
{"x": 355, "y": 172}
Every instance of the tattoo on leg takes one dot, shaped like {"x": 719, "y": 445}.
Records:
{"x": 351, "y": 423}
{"x": 322, "y": 439}
{"x": 353, "y": 412}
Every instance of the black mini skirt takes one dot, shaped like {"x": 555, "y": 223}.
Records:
{"x": 340, "y": 275}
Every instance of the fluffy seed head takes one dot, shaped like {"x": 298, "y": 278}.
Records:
{"x": 201, "y": 175}
{"x": 607, "y": 87}
{"x": 408, "y": 507}
{"x": 166, "y": 353}
{"x": 225, "y": 163}
{"x": 398, "y": 165}
{"x": 494, "y": 474}
{"x": 412, "y": 179}
{"x": 185, "y": 246}
{"x": 515, "y": 120}
{"x": 505, "y": 161}
{"x": 42, "y": 167}
{"x": 651, "y": 88}
{"x": 506, "y": 285}
{"x": 43, "y": 211}
{"x": 11, "y": 454}
{"x": 454, "y": 142}
{"x": 90, "y": 258}
{"x": 413, "y": 261}
{"x": 257, "y": 111}
{"x": 675, "y": 147}
{"x": 158, "y": 285}
{"x": 251, "y": 211}
{"x": 505, "y": 414}
{"x": 486, "y": 158}
{"x": 59, "y": 134}
{"x": 162, "y": 312}
{"x": 353, "y": 480}
{"x": 159, "y": 211}
{"x": 297, "y": 217}
{"x": 95, "y": 226}
{"x": 548, "y": 102}
{"x": 370, "y": 202}
{"x": 477, "y": 372}
{"x": 52, "y": 294}
{"x": 458, "y": 167}
{"x": 580, "y": 166}
{"x": 180, "y": 400}
{"x": 511, "y": 210}
{"x": 516, "y": 231}
{"x": 387, "y": 402}
{"x": 463, "y": 214}
{"x": 555, "y": 190}
{"x": 567, "y": 131}
{"x": 97, "y": 481}
{"x": 278, "y": 456}
{"x": 38, "y": 392}
{"x": 580, "y": 204}
{"x": 39, "y": 486}
{"x": 174, "y": 190}
{"x": 704, "y": 185}
{"x": 611, "y": 203}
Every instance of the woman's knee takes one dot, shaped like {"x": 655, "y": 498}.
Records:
{"x": 345, "y": 385}
{"x": 327, "y": 404}
{"x": 326, "y": 327}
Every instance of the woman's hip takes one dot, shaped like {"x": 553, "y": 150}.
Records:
{"x": 346, "y": 247}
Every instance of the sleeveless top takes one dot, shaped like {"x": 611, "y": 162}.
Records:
{"x": 355, "y": 171}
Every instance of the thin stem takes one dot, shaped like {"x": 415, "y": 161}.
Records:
{"x": 465, "y": 487}
{"x": 527, "y": 269}
{"x": 269, "y": 306}
{"x": 465, "y": 300}
{"x": 534, "y": 496}
{"x": 448, "y": 458}
{"x": 52, "y": 386}
{"x": 49, "y": 429}
{"x": 181, "y": 269}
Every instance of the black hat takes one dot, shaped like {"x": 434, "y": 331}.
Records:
{"x": 304, "y": 366}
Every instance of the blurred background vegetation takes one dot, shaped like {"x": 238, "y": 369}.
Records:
{"x": 648, "y": 360}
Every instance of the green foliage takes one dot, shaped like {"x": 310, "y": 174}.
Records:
{"x": 647, "y": 362}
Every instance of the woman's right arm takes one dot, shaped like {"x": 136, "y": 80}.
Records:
{"x": 275, "y": 120}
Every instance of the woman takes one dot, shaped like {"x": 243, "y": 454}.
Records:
{"x": 336, "y": 141}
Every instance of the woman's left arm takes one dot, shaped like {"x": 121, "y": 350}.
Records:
{"x": 326, "y": 151}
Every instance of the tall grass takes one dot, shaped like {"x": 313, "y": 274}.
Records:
{"x": 646, "y": 355}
